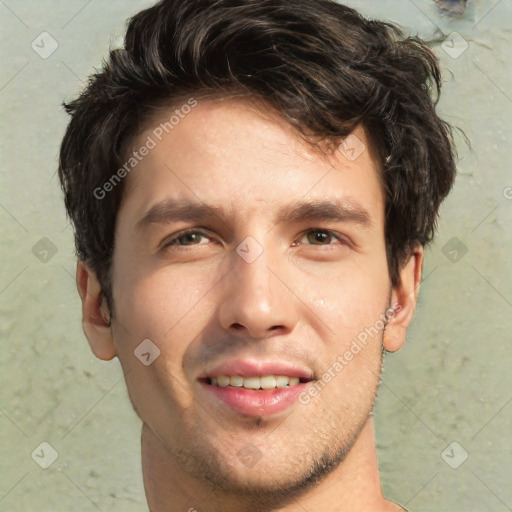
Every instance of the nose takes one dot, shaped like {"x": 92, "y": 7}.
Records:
{"x": 257, "y": 301}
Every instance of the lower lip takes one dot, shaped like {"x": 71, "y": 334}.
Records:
{"x": 252, "y": 402}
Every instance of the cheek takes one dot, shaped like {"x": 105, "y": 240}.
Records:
{"x": 168, "y": 308}
{"x": 351, "y": 306}
{"x": 366, "y": 297}
{"x": 165, "y": 302}
{"x": 349, "y": 296}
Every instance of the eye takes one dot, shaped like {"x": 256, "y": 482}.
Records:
{"x": 186, "y": 238}
{"x": 319, "y": 236}
{"x": 315, "y": 236}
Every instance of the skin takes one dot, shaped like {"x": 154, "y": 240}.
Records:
{"x": 304, "y": 300}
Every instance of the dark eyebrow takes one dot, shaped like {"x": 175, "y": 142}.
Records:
{"x": 171, "y": 210}
{"x": 322, "y": 210}
{"x": 336, "y": 210}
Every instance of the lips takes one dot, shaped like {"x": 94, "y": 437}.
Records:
{"x": 255, "y": 402}
{"x": 250, "y": 402}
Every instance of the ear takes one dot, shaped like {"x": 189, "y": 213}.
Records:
{"x": 95, "y": 316}
{"x": 403, "y": 301}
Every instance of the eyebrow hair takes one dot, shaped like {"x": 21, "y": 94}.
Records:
{"x": 170, "y": 210}
{"x": 326, "y": 210}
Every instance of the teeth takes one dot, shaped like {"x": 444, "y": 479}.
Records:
{"x": 266, "y": 382}
{"x": 236, "y": 381}
{"x": 251, "y": 382}
{"x": 269, "y": 382}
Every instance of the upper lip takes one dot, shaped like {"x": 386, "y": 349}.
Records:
{"x": 255, "y": 368}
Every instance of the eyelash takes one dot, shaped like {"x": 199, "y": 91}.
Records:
{"x": 181, "y": 234}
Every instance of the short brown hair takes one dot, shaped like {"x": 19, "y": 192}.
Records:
{"x": 321, "y": 65}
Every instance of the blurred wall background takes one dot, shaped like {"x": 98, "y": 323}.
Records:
{"x": 444, "y": 411}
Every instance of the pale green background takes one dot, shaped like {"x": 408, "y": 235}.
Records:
{"x": 452, "y": 381}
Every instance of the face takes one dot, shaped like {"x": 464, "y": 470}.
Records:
{"x": 288, "y": 266}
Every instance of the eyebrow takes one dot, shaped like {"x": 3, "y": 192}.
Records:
{"x": 170, "y": 210}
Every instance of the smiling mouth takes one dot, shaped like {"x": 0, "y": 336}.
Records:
{"x": 254, "y": 396}
{"x": 267, "y": 382}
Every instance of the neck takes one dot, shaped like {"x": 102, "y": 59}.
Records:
{"x": 352, "y": 485}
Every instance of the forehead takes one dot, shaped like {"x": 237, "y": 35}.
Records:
{"x": 244, "y": 156}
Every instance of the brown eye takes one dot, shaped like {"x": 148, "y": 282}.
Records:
{"x": 318, "y": 237}
{"x": 186, "y": 238}
{"x": 321, "y": 237}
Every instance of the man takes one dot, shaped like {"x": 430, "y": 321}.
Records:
{"x": 252, "y": 184}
